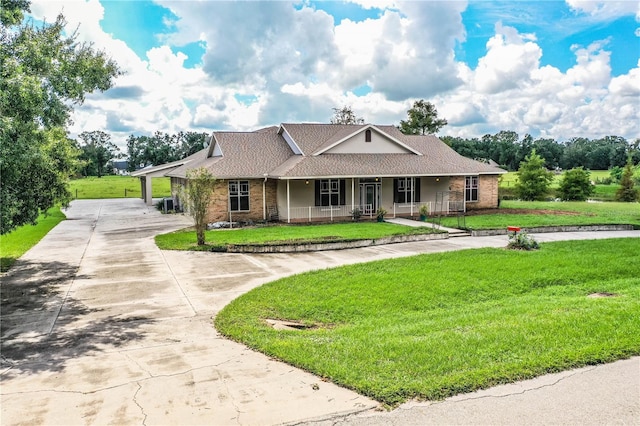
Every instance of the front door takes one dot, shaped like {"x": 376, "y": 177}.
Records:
{"x": 369, "y": 197}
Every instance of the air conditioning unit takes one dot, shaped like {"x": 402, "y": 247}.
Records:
{"x": 167, "y": 204}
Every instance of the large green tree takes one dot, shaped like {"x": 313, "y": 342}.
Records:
{"x": 533, "y": 179}
{"x": 423, "y": 119}
{"x": 162, "y": 148}
{"x": 97, "y": 150}
{"x": 43, "y": 73}
{"x": 345, "y": 115}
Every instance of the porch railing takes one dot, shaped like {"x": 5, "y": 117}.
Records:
{"x": 331, "y": 213}
{"x": 313, "y": 213}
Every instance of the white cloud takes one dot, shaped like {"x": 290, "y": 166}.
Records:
{"x": 299, "y": 64}
{"x": 375, "y": 4}
{"x": 509, "y": 90}
{"x": 592, "y": 69}
{"x": 627, "y": 85}
{"x": 606, "y": 10}
{"x": 509, "y": 61}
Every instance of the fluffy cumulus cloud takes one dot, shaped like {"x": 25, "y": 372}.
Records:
{"x": 510, "y": 60}
{"x": 521, "y": 95}
{"x": 606, "y": 10}
{"x": 270, "y": 62}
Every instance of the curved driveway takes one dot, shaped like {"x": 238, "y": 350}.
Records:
{"x": 101, "y": 327}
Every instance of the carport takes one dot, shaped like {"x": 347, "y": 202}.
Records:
{"x": 150, "y": 172}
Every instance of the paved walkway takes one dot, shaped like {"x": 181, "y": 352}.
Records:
{"x": 419, "y": 224}
{"x": 99, "y": 326}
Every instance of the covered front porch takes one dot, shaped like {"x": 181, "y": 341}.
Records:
{"x": 321, "y": 200}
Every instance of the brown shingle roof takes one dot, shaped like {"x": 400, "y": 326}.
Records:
{"x": 244, "y": 154}
{"x": 254, "y": 154}
{"x": 312, "y": 137}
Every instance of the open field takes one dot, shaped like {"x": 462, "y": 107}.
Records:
{"x": 16, "y": 243}
{"x": 286, "y": 234}
{"x": 508, "y": 180}
{"x": 116, "y": 187}
{"x": 603, "y": 192}
{"x": 436, "y": 325}
{"x": 550, "y": 213}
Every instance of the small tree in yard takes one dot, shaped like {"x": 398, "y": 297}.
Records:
{"x": 197, "y": 195}
{"x": 575, "y": 185}
{"x": 627, "y": 192}
{"x": 533, "y": 178}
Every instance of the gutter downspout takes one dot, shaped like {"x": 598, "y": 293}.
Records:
{"x": 264, "y": 198}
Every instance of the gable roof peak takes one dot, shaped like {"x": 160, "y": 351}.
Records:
{"x": 363, "y": 128}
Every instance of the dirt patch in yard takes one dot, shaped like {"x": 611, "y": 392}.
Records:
{"x": 602, "y": 294}
{"x": 524, "y": 211}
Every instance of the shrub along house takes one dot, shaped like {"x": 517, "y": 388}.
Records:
{"x": 322, "y": 172}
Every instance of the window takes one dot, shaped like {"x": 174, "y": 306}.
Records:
{"x": 367, "y": 135}
{"x": 406, "y": 190}
{"x": 330, "y": 192}
{"x": 471, "y": 188}
{"x": 239, "y": 195}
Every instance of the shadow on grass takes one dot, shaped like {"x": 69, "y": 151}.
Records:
{"x": 6, "y": 263}
{"x": 43, "y": 326}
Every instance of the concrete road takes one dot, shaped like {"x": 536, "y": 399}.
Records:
{"x": 101, "y": 327}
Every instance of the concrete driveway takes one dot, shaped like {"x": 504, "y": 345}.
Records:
{"x": 101, "y": 327}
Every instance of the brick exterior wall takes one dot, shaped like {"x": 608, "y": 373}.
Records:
{"x": 487, "y": 191}
{"x": 219, "y": 210}
{"x": 456, "y": 183}
{"x": 219, "y": 206}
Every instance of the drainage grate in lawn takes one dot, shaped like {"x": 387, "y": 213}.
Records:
{"x": 288, "y": 325}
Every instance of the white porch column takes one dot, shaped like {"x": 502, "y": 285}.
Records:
{"x": 413, "y": 193}
{"x": 143, "y": 188}
{"x": 148, "y": 191}
{"x": 353, "y": 193}
{"x": 288, "y": 203}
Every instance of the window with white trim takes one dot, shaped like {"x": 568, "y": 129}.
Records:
{"x": 471, "y": 188}
{"x": 239, "y": 195}
{"x": 406, "y": 190}
{"x": 330, "y": 192}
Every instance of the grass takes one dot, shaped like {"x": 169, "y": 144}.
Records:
{"x": 582, "y": 213}
{"x": 431, "y": 326}
{"x": 286, "y": 234}
{"x": 602, "y": 192}
{"x": 605, "y": 192}
{"x": 18, "y": 242}
{"x": 508, "y": 180}
{"x": 116, "y": 187}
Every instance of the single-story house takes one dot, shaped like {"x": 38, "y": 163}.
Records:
{"x": 321, "y": 172}
{"x": 120, "y": 167}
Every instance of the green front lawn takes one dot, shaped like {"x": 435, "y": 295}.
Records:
{"x": 431, "y": 326}
{"x": 553, "y": 214}
{"x": 16, "y": 243}
{"x": 116, "y": 187}
{"x": 287, "y": 234}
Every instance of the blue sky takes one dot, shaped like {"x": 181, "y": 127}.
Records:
{"x": 549, "y": 68}
{"x": 140, "y": 23}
